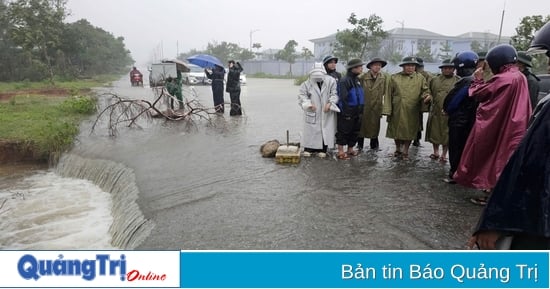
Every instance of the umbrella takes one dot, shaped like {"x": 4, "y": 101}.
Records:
{"x": 204, "y": 60}
{"x": 181, "y": 66}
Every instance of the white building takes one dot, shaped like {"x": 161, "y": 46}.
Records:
{"x": 403, "y": 42}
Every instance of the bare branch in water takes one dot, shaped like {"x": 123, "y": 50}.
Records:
{"x": 128, "y": 112}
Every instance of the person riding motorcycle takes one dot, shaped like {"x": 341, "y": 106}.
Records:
{"x": 137, "y": 74}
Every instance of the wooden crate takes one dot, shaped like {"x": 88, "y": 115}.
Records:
{"x": 287, "y": 154}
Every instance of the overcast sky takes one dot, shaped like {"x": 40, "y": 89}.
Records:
{"x": 155, "y": 27}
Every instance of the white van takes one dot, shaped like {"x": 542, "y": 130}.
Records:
{"x": 195, "y": 76}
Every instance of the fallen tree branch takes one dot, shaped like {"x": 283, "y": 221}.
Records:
{"x": 123, "y": 111}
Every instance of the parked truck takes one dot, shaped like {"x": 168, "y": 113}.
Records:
{"x": 159, "y": 72}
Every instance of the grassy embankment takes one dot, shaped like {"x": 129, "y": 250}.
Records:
{"x": 38, "y": 120}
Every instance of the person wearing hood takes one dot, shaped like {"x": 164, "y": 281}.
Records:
{"x": 375, "y": 84}
{"x": 351, "y": 101}
{"x": 517, "y": 211}
{"x": 501, "y": 121}
{"x": 408, "y": 92}
{"x": 329, "y": 63}
{"x": 318, "y": 100}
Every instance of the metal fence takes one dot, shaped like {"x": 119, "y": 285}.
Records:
{"x": 300, "y": 68}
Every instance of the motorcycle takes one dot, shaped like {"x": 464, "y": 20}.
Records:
{"x": 136, "y": 79}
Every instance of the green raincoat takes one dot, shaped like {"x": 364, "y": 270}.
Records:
{"x": 437, "y": 131}
{"x": 403, "y": 105}
{"x": 374, "y": 89}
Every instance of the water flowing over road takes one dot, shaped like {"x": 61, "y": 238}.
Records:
{"x": 207, "y": 186}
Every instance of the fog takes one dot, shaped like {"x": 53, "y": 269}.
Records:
{"x": 162, "y": 28}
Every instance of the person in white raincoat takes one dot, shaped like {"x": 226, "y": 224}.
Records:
{"x": 318, "y": 99}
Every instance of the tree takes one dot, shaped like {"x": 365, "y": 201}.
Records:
{"x": 257, "y": 46}
{"x": 89, "y": 50}
{"x": 526, "y": 31}
{"x": 392, "y": 52}
{"x": 184, "y": 55}
{"x": 446, "y": 50}
{"x": 11, "y": 58}
{"x": 364, "y": 40}
{"x": 306, "y": 53}
{"x": 476, "y": 46}
{"x": 288, "y": 53}
{"x": 37, "y": 26}
{"x": 425, "y": 50}
{"x": 245, "y": 54}
{"x": 524, "y": 35}
{"x": 226, "y": 51}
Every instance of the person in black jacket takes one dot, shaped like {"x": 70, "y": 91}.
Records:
{"x": 233, "y": 86}
{"x": 217, "y": 76}
{"x": 524, "y": 63}
{"x": 460, "y": 108}
{"x": 329, "y": 63}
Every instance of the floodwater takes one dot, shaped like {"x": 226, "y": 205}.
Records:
{"x": 206, "y": 186}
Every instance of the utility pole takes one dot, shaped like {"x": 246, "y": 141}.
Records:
{"x": 501, "y": 22}
{"x": 402, "y": 22}
{"x": 252, "y": 32}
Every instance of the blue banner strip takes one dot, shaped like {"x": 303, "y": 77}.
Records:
{"x": 354, "y": 269}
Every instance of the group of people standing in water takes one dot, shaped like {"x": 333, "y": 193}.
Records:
{"x": 480, "y": 108}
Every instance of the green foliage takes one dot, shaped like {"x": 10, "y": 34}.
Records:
{"x": 257, "y": 46}
{"x": 392, "y": 52}
{"x": 363, "y": 41}
{"x": 477, "y": 46}
{"x": 45, "y": 124}
{"x": 76, "y": 86}
{"x": 266, "y": 75}
{"x": 91, "y": 50}
{"x": 79, "y": 104}
{"x": 526, "y": 31}
{"x": 446, "y": 50}
{"x": 301, "y": 79}
{"x": 36, "y": 26}
{"x": 306, "y": 53}
{"x": 245, "y": 55}
{"x": 36, "y": 44}
{"x": 524, "y": 36}
{"x": 288, "y": 53}
{"x": 425, "y": 50}
{"x": 225, "y": 51}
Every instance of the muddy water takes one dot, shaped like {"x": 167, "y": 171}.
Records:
{"x": 207, "y": 187}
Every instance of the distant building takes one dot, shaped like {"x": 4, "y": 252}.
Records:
{"x": 477, "y": 41}
{"x": 323, "y": 46}
{"x": 402, "y": 42}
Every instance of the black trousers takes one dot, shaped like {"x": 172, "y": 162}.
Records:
{"x": 235, "y": 102}
{"x": 348, "y": 126}
{"x": 457, "y": 141}
{"x": 217, "y": 92}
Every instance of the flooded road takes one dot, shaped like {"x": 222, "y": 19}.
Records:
{"x": 207, "y": 187}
